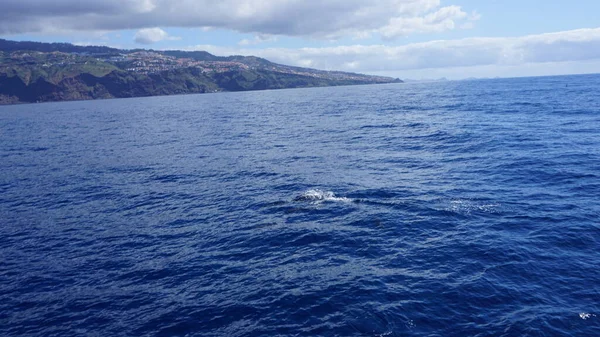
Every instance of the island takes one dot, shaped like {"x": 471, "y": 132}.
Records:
{"x": 41, "y": 72}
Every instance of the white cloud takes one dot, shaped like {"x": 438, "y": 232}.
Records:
{"x": 152, "y": 35}
{"x": 569, "y": 46}
{"x": 328, "y": 19}
{"x": 258, "y": 39}
{"x": 446, "y": 18}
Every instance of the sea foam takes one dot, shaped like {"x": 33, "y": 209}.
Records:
{"x": 319, "y": 196}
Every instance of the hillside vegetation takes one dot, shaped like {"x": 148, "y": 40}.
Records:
{"x": 40, "y": 72}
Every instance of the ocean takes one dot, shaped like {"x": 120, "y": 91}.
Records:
{"x": 464, "y": 208}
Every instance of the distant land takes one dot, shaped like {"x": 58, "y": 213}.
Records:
{"x": 425, "y": 80}
{"x": 42, "y": 72}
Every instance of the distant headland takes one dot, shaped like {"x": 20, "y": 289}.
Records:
{"x": 42, "y": 72}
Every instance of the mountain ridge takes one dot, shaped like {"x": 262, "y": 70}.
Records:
{"x": 41, "y": 72}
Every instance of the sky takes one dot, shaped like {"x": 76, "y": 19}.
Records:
{"x": 415, "y": 39}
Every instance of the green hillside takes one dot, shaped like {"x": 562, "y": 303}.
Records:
{"x": 39, "y": 72}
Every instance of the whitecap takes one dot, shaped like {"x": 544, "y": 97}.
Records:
{"x": 319, "y": 196}
{"x": 585, "y": 316}
{"x": 466, "y": 207}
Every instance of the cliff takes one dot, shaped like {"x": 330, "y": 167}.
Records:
{"x": 41, "y": 72}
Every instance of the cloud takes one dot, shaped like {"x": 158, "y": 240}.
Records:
{"x": 258, "y": 39}
{"x": 567, "y": 46}
{"x": 328, "y": 19}
{"x": 152, "y": 35}
{"x": 445, "y": 18}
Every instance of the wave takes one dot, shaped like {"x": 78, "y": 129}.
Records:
{"x": 466, "y": 207}
{"x": 318, "y": 196}
{"x": 585, "y": 316}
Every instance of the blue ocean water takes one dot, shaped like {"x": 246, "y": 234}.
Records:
{"x": 438, "y": 209}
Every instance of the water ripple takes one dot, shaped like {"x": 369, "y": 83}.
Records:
{"x": 439, "y": 209}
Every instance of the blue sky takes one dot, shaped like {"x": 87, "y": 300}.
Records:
{"x": 401, "y": 38}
